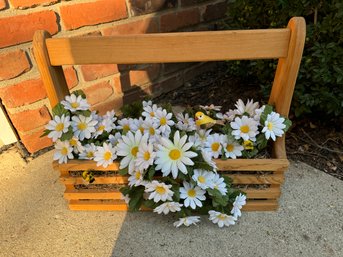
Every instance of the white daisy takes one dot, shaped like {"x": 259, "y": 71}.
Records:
{"x": 151, "y": 128}
{"x": 193, "y": 195}
{"x": 159, "y": 191}
{"x": 249, "y": 107}
{"x": 245, "y": 128}
{"x": 238, "y": 204}
{"x": 200, "y": 137}
{"x": 76, "y": 144}
{"x": 58, "y": 126}
{"x": 273, "y": 126}
{"x": 210, "y": 107}
{"x": 219, "y": 184}
{"x": 146, "y": 103}
{"x": 128, "y": 147}
{"x": 167, "y": 207}
{"x": 83, "y": 126}
{"x": 110, "y": 115}
{"x": 105, "y": 155}
{"x": 203, "y": 178}
{"x": 258, "y": 113}
{"x": 145, "y": 156}
{"x": 185, "y": 123}
{"x": 150, "y": 111}
{"x": 221, "y": 219}
{"x": 126, "y": 125}
{"x": 88, "y": 152}
{"x": 136, "y": 179}
{"x": 207, "y": 156}
{"x": 214, "y": 144}
{"x": 63, "y": 151}
{"x": 230, "y": 115}
{"x": 114, "y": 139}
{"x": 104, "y": 125}
{"x": 164, "y": 121}
{"x": 139, "y": 124}
{"x": 74, "y": 103}
{"x": 187, "y": 221}
{"x": 172, "y": 157}
{"x": 232, "y": 149}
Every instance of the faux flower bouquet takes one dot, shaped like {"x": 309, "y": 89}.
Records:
{"x": 168, "y": 157}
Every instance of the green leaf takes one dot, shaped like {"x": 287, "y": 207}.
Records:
{"x": 288, "y": 124}
{"x": 85, "y": 113}
{"x": 176, "y": 190}
{"x": 124, "y": 171}
{"x": 261, "y": 141}
{"x": 45, "y": 133}
{"x": 59, "y": 110}
{"x": 68, "y": 135}
{"x": 151, "y": 173}
{"x": 79, "y": 93}
{"x": 267, "y": 110}
{"x": 136, "y": 198}
{"x": 125, "y": 190}
{"x": 150, "y": 204}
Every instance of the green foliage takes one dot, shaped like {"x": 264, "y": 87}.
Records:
{"x": 132, "y": 110}
{"x": 319, "y": 88}
{"x": 59, "y": 110}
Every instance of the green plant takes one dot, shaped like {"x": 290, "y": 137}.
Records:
{"x": 319, "y": 88}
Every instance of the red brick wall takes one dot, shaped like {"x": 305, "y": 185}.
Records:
{"x": 107, "y": 86}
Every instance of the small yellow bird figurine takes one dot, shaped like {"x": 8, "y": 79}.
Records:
{"x": 202, "y": 119}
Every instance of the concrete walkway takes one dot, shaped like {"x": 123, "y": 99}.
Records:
{"x": 35, "y": 221}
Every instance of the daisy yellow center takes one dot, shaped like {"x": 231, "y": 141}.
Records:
{"x": 138, "y": 175}
{"x": 201, "y": 179}
{"x": 64, "y": 151}
{"x": 174, "y": 154}
{"x": 152, "y": 114}
{"x": 146, "y": 156}
{"x": 59, "y": 127}
{"x": 82, "y": 126}
{"x": 191, "y": 193}
{"x": 126, "y": 128}
{"x": 215, "y": 146}
{"x": 221, "y": 217}
{"x": 160, "y": 190}
{"x": 107, "y": 156}
{"x": 245, "y": 129}
{"x": 230, "y": 148}
{"x": 141, "y": 129}
{"x": 151, "y": 131}
{"x": 101, "y": 128}
{"x": 270, "y": 126}
{"x": 134, "y": 151}
{"x": 72, "y": 142}
{"x": 90, "y": 154}
{"x": 248, "y": 145}
{"x": 163, "y": 121}
{"x": 216, "y": 187}
{"x": 75, "y": 104}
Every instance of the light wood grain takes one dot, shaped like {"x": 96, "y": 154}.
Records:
{"x": 52, "y": 76}
{"x": 170, "y": 47}
{"x": 120, "y": 205}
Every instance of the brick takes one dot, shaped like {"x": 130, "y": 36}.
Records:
{"x": 139, "y": 7}
{"x": 148, "y": 74}
{"x": 30, "y": 3}
{"x": 148, "y": 25}
{"x": 33, "y": 142}
{"x": 3, "y": 4}
{"x": 30, "y": 119}
{"x": 215, "y": 11}
{"x": 98, "y": 93}
{"x": 83, "y": 14}
{"x": 113, "y": 103}
{"x": 176, "y": 20}
{"x": 122, "y": 83}
{"x": 25, "y": 92}
{"x": 71, "y": 77}
{"x": 19, "y": 29}
{"x": 13, "y": 64}
{"x": 96, "y": 71}
{"x": 191, "y": 2}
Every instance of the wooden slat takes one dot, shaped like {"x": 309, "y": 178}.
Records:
{"x": 170, "y": 47}
{"x": 120, "y": 205}
{"x": 238, "y": 164}
{"x": 268, "y": 193}
{"x": 237, "y": 179}
{"x": 253, "y": 164}
{"x": 70, "y": 194}
{"x": 261, "y": 205}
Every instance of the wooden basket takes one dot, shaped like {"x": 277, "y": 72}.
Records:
{"x": 260, "y": 179}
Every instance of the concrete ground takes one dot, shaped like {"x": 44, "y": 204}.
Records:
{"x": 35, "y": 221}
